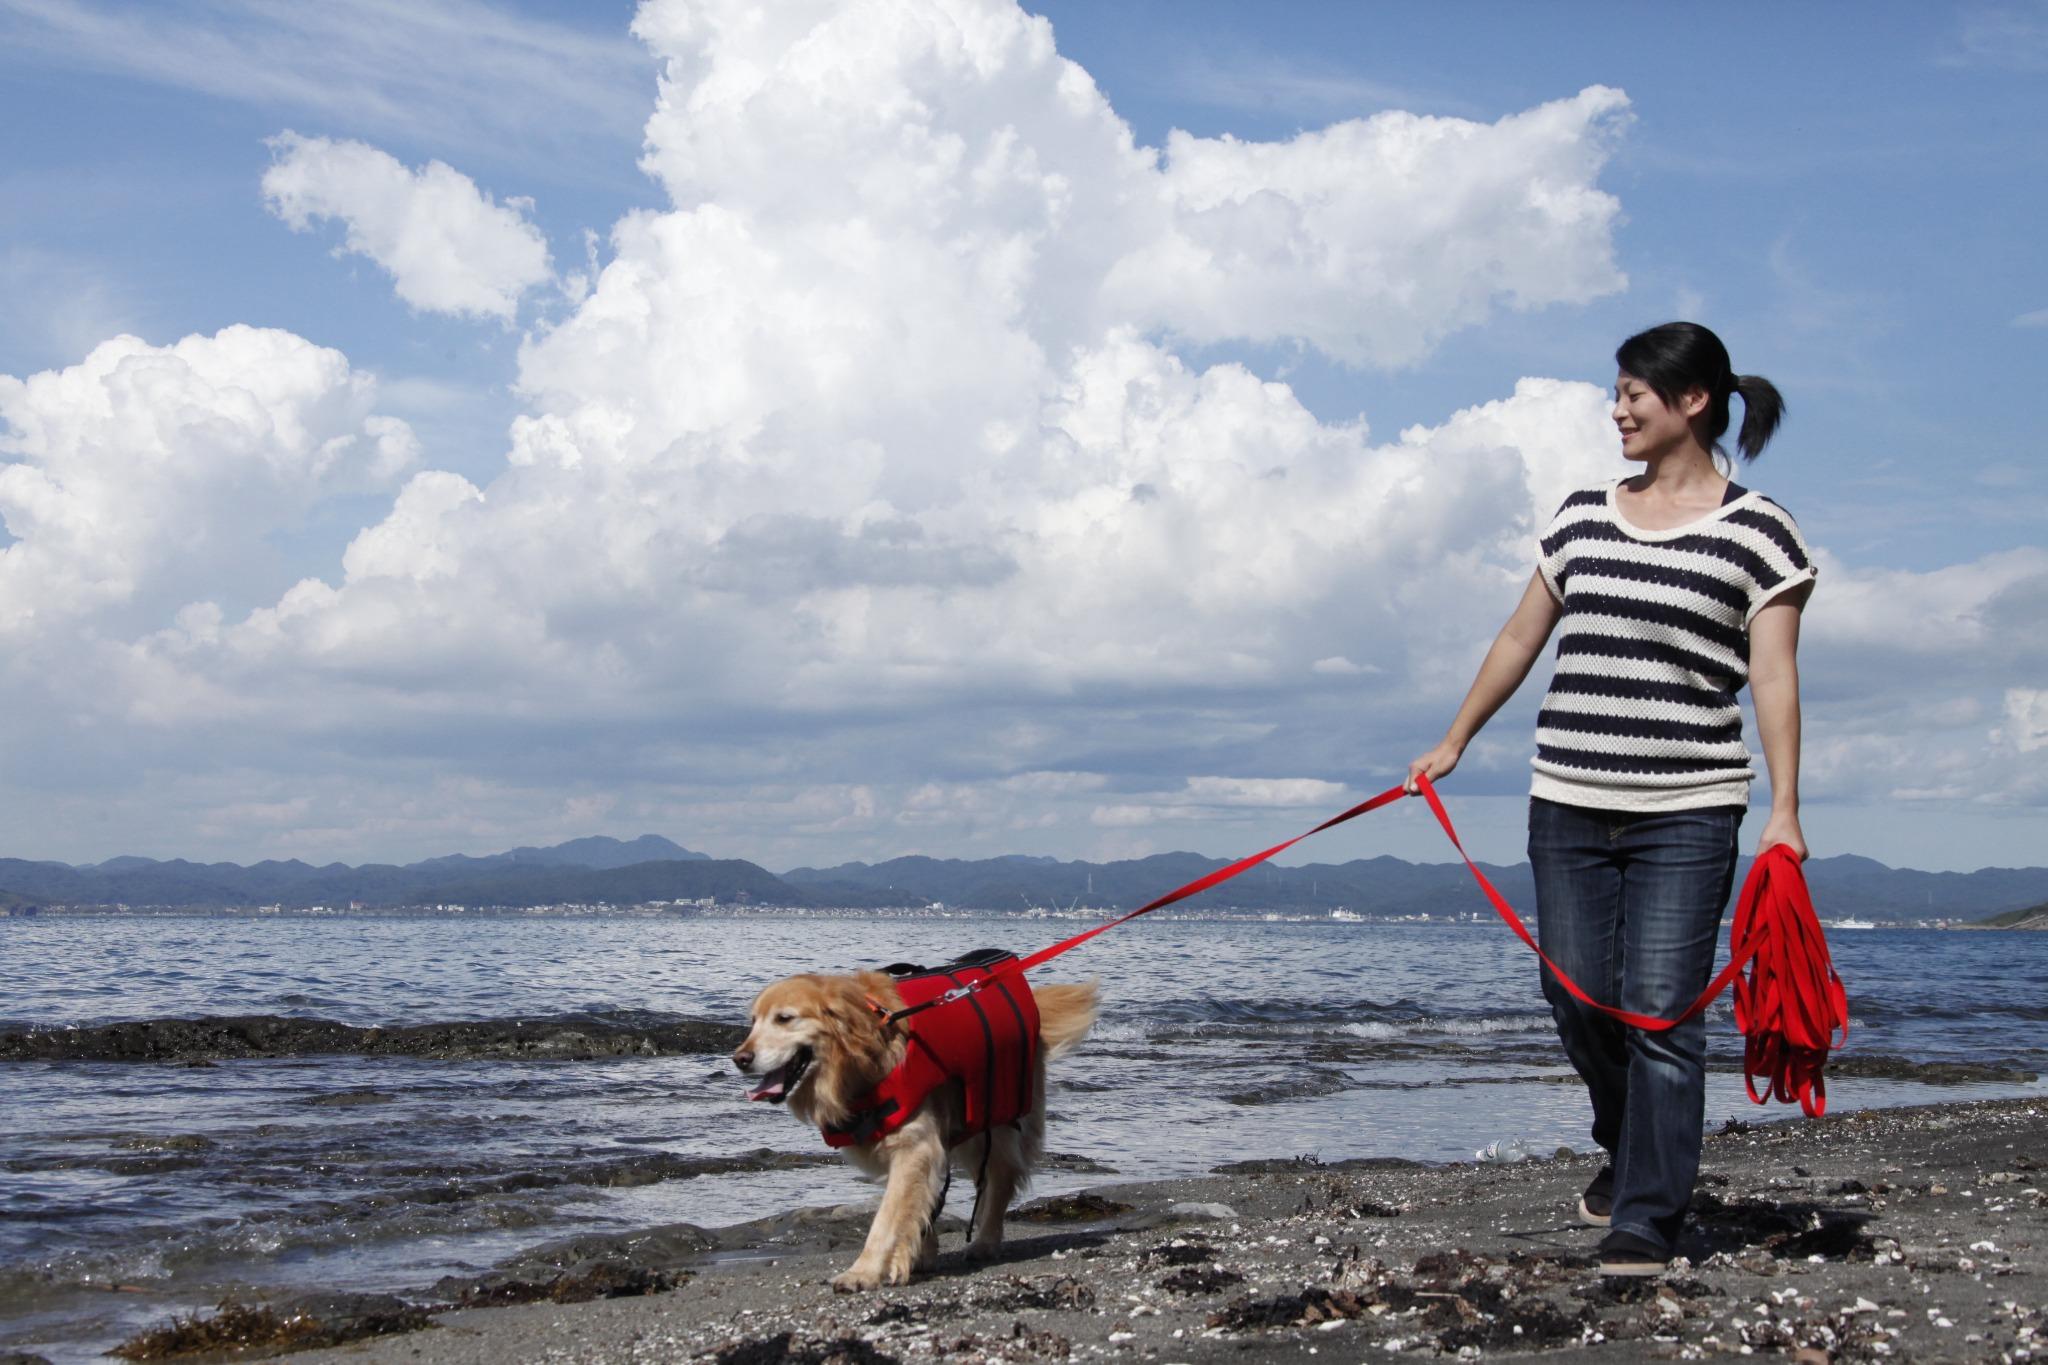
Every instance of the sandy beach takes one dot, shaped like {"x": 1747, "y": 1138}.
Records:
{"x": 1906, "y": 1234}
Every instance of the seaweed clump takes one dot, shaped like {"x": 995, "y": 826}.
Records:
{"x": 253, "y": 1330}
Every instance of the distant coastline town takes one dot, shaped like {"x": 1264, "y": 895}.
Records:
{"x": 654, "y": 876}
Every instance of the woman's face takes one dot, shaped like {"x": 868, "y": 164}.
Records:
{"x": 1649, "y": 426}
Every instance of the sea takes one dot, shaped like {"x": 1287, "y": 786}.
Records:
{"x": 130, "y": 1191}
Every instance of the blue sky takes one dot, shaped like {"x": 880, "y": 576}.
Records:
{"x": 949, "y": 665}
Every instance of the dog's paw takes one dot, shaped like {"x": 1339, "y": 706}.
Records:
{"x": 856, "y": 1281}
{"x": 980, "y": 1252}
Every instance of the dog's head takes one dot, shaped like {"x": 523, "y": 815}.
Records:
{"x": 815, "y": 1042}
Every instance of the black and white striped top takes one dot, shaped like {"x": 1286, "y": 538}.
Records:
{"x": 1652, "y": 649}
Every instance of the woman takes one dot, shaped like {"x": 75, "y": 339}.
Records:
{"x": 1675, "y": 586}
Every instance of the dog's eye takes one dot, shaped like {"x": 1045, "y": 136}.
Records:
{"x": 785, "y": 1016}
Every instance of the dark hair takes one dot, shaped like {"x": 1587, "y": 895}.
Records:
{"x": 1679, "y": 356}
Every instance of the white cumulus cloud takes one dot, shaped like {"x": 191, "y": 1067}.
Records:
{"x": 145, "y": 477}
{"x": 2026, "y": 715}
{"x": 1375, "y": 238}
{"x": 448, "y": 246}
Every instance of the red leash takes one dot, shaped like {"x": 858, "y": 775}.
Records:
{"x": 1788, "y": 1008}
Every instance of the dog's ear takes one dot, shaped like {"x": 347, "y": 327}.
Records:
{"x": 844, "y": 1004}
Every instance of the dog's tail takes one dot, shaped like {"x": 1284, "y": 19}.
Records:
{"x": 1065, "y": 1014}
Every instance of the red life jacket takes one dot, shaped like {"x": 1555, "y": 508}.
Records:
{"x": 986, "y": 1040}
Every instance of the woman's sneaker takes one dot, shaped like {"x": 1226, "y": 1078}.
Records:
{"x": 1596, "y": 1205}
{"x": 1624, "y": 1253}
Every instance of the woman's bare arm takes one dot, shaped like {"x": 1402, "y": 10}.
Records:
{"x": 1774, "y": 688}
{"x": 1514, "y": 652}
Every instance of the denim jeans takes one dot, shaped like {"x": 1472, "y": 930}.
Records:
{"x": 1629, "y": 905}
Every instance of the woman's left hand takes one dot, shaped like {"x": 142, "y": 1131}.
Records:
{"x": 1783, "y": 829}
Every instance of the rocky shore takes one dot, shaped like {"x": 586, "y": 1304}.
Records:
{"x": 1894, "y": 1235}
{"x": 210, "y": 1038}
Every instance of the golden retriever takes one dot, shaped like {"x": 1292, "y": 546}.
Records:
{"x": 816, "y": 1044}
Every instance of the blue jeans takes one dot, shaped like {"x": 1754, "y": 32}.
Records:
{"x": 1629, "y": 905}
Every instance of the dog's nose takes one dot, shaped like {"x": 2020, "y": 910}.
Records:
{"x": 744, "y": 1060}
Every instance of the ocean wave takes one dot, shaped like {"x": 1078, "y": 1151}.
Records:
{"x": 1481, "y": 1027}
{"x": 1369, "y": 1030}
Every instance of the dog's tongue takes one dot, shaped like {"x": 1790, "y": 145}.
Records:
{"x": 771, "y": 1085}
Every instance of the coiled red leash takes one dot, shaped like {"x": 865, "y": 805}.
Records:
{"x": 1792, "y": 1003}
{"x": 1789, "y": 1007}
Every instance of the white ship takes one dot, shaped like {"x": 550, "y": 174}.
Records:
{"x": 1851, "y": 924}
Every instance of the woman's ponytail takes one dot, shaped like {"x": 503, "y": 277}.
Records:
{"x": 1763, "y": 407}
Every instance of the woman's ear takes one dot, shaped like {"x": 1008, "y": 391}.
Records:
{"x": 1694, "y": 402}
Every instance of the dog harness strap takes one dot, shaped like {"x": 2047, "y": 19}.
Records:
{"x": 1027, "y": 1039}
{"x": 977, "y": 1114}
{"x": 988, "y": 1047}
{"x": 863, "y": 1127}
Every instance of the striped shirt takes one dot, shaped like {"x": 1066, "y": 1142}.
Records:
{"x": 1653, "y": 647}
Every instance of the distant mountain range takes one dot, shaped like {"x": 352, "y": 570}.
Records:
{"x": 1843, "y": 887}
{"x": 589, "y": 871}
{"x": 610, "y": 871}
{"x": 596, "y": 851}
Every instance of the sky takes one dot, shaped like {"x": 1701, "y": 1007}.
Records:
{"x": 874, "y": 427}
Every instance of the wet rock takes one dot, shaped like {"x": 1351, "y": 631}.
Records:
{"x": 176, "y": 1142}
{"x": 1204, "y": 1213}
{"x": 1295, "y": 1165}
{"x": 650, "y": 1249}
{"x": 842, "y": 1225}
{"x": 350, "y": 1099}
{"x": 598, "y": 1278}
{"x": 1068, "y": 1161}
{"x": 299, "y": 1324}
{"x": 1302, "y": 1085}
{"x": 1070, "y": 1208}
{"x": 22, "y": 1358}
{"x": 571, "y": 1037}
{"x": 1882, "y": 1066}
{"x": 654, "y": 1167}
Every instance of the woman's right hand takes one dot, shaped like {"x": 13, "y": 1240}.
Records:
{"x": 1435, "y": 765}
